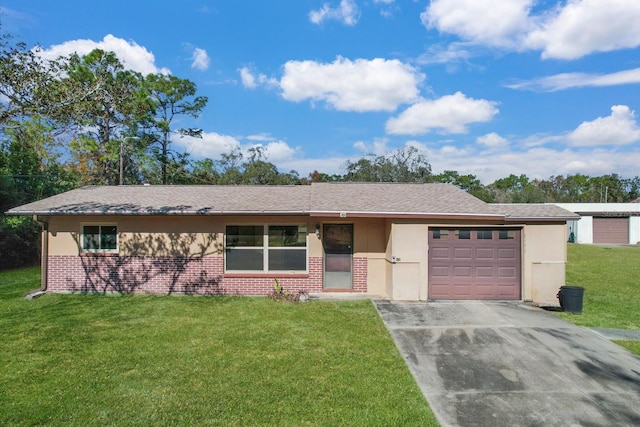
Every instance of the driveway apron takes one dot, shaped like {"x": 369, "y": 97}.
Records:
{"x": 507, "y": 364}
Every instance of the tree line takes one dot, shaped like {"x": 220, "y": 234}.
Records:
{"x": 80, "y": 120}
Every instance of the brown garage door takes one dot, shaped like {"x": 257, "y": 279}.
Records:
{"x": 467, "y": 263}
{"x": 610, "y": 230}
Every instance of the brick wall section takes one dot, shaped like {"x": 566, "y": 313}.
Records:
{"x": 263, "y": 284}
{"x": 360, "y": 274}
{"x": 124, "y": 274}
{"x": 164, "y": 275}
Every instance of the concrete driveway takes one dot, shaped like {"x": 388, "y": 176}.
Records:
{"x": 505, "y": 364}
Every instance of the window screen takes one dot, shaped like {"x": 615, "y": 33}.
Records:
{"x": 97, "y": 238}
{"x": 266, "y": 248}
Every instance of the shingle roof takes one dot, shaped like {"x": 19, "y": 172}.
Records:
{"x": 533, "y": 211}
{"x": 395, "y": 198}
{"x": 353, "y": 199}
{"x": 173, "y": 199}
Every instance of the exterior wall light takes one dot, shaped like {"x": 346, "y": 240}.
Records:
{"x": 318, "y": 231}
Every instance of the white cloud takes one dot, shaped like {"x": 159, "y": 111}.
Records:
{"x": 247, "y": 78}
{"x": 584, "y": 26}
{"x": 492, "y": 141}
{"x": 387, "y": 7}
{"x": 252, "y": 81}
{"x": 360, "y": 85}
{"x": 569, "y": 30}
{"x": 279, "y": 151}
{"x": 305, "y": 165}
{"x": 440, "y": 54}
{"x": 449, "y": 114}
{"x": 347, "y": 13}
{"x": 571, "y": 80}
{"x": 492, "y": 22}
{"x": 361, "y": 146}
{"x": 132, "y": 55}
{"x": 211, "y": 145}
{"x": 274, "y": 151}
{"x": 572, "y": 152}
{"x": 605, "y": 145}
{"x": 378, "y": 147}
{"x": 260, "y": 137}
{"x": 200, "y": 59}
{"x": 619, "y": 128}
{"x": 535, "y": 163}
{"x": 539, "y": 139}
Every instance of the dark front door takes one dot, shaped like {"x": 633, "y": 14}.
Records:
{"x": 337, "y": 240}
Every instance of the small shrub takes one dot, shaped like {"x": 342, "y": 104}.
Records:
{"x": 280, "y": 294}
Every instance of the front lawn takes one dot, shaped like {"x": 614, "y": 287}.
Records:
{"x": 611, "y": 279}
{"x": 633, "y": 346}
{"x": 145, "y": 360}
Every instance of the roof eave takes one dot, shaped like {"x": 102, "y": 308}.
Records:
{"x": 541, "y": 219}
{"x": 417, "y": 215}
{"x": 25, "y": 213}
{"x": 158, "y": 213}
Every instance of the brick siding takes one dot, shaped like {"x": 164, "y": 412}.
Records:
{"x": 100, "y": 273}
{"x": 360, "y": 274}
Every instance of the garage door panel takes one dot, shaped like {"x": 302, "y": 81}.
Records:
{"x": 439, "y": 291}
{"x": 485, "y": 253}
{"x": 439, "y": 252}
{"x": 462, "y": 290}
{"x": 507, "y": 292}
{"x": 485, "y": 290}
{"x": 461, "y": 271}
{"x": 507, "y": 254}
{"x": 484, "y": 266}
{"x": 441, "y": 271}
{"x": 462, "y": 253}
{"x": 611, "y": 230}
{"x": 507, "y": 272}
{"x": 484, "y": 271}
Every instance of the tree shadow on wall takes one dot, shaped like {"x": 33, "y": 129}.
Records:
{"x": 153, "y": 263}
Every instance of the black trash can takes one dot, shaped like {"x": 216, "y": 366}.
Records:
{"x": 571, "y": 299}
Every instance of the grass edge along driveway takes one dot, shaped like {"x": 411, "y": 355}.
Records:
{"x": 140, "y": 360}
{"x": 610, "y": 277}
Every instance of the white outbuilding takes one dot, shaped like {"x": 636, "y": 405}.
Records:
{"x": 613, "y": 223}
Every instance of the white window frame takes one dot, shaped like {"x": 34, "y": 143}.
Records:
{"x": 265, "y": 249}
{"x": 100, "y": 225}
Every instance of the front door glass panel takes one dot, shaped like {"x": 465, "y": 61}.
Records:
{"x": 337, "y": 241}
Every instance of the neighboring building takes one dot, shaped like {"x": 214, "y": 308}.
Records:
{"x": 398, "y": 241}
{"x": 614, "y": 223}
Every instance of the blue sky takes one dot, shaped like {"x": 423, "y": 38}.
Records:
{"x": 488, "y": 87}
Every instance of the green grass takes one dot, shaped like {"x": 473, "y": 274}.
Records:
{"x": 632, "y": 346}
{"x": 145, "y": 360}
{"x": 611, "y": 280}
{"x": 610, "y": 277}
